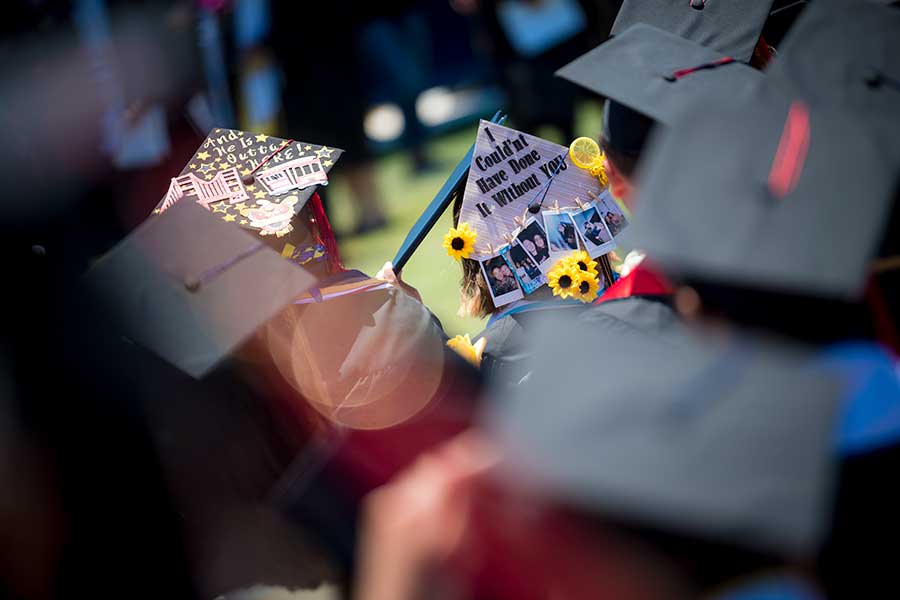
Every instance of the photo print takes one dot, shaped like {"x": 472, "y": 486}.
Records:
{"x": 611, "y": 213}
{"x": 533, "y": 240}
{"x": 593, "y": 231}
{"x": 523, "y": 267}
{"x": 562, "y": 237}
{"x": 501, "y": 280}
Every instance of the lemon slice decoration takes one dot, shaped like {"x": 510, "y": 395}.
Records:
{"x": 584, "y": 152}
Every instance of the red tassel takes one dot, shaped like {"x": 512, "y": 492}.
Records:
{"x": 325, "y": 234}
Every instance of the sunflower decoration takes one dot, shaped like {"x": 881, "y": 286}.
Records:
{"x": 462, "y": 345}
{"x": 588, "y": 288}
{"x": 583, "y": 261}
{"x": 565, "y": 279}
{"x": 460, "y": 241}
{"x": 586, "y": 154}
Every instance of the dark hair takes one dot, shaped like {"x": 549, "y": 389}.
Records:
{"x": 624, "y": 163}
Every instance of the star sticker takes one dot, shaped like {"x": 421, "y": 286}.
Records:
{"x": 156, "y": 211}
{"x": 203, "y": 155}
{"x": 229, "y": 218}
{"x": 193, "y": 165}
{"x": 324, "y": 151}
{"x": 327, "y": 163}
{"x": 244, "y": 221}
{"x": 240, "y": 206}
{"x": 262, "y": 137}
{"x": 251, "y": 187}
{"x": 206, "y": 167}
{"x": 246, "y": 172}
{"x": 307, "y": 147}
{"x": 221, "y": 205}
{"x": 259, "y": 194}
{"x": 208, "y": 176}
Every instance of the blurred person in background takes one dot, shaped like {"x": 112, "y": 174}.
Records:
{"x": 324, "y": 94}
{"x": 528, "y": 40}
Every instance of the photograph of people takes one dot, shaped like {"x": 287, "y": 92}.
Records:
{"x": 560, "y": 232}
{"x": 612, "y": 213}
{"x": 593, "y": 230}
{"x": 500, "y": 279}
{"x": 525, "y": 266}
{"x": 534, "y": 241}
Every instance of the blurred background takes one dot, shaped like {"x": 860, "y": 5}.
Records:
{"x": 128, "y": 89}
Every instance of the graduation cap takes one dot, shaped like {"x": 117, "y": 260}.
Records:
{"x": 844, "y": 54}
{"x": 772, "y": 195}
{"x": 445, "y": 196}
{"x": 729, "y": 441}
{"x": 192, "y": 288}
{"x": 731, "y": 27}
{"x": 658, "y": 75}
{"x": 259, "y": 182}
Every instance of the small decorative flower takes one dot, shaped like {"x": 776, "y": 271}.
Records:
{"x": 583, "y": 261}
{"x": 462, "y": 345}
{"x": 564, "y": 279}
{"x": 460, "y": 241}
{"x": 588, "y": 288}
{"x": 598, "y": 170}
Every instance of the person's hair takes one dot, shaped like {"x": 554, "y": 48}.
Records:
{"x": 624, "y": 163}
{"x": 475, "y": 296}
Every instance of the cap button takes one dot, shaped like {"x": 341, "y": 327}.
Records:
{"x": 191, "y": 284}
{"x": 247, "y": 179}
{"x": 698, "y": 4}
{"x": 38, "y": 250}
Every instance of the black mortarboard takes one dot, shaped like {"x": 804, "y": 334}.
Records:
{"x": 451, "y": 188}
{"x": 256, "y": 181}
{"x": 845, "y": 54}
{"x": 192, "y": 288}
{"x": 729, "y": 26}
{"x": 724, "y": 439}
{"x": 772, "y": 195}
{"x": 659, "y": 75}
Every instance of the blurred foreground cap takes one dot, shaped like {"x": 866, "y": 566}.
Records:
{"x": 774, "y": 196}
{"x": 225, "y": 176}
{"x": 724, "y": 439}
{"x": 658, "y": 75}
{"x": 845, "y": 54}
{"x": 729, "y": 26}
{"x": 192, "y": 288}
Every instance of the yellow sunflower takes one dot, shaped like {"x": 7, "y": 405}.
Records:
{"x": 460, "y": 241}
{"x": 583, "y": 261}
{"x": 564, "y": 279}
{"x": 462, "y": 345}
{"x": 588, "y": 287}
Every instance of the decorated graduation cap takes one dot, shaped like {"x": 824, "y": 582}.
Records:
{"x": 261, "y": 183}
{"x": 773, "y": 195}
{"x": 651, "y": 75}
{"x": 844, "y": 54}
{"x": 191, "y": 287}
{"x": 731, "y": 27}
{"x": 730, "y": 441}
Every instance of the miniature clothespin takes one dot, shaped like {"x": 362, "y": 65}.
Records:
{"x": 556, "y": 206}
{"x": 581, "y": 205}
{"x": 592, "y": 195}
{"x": 508, "y": 237}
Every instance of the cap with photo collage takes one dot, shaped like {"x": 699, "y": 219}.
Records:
{"x": 517, "y": 184}
{"x": 650, "y": 76}
{"x": 730, "y": 441}
{"x": 772, "y": 194}
{"x": 731, "y": 27}
{"x": 261, "y": 183}
{"x": 844, "y": 54}
{"x": 191, "y": 287}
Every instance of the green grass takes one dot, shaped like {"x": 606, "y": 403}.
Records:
{"x": 430, "y": 270}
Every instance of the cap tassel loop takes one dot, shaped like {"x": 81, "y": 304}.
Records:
{"x": 726, "y": 60}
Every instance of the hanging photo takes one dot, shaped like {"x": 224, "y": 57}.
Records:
{"x": 523, "y": 266}
{"x": 501, "y": 281}
{"x": 611, "y": 213}
{"x": 593, "y": 231}
{"x": 533, "y": 239}
{"x": 562, "y": 237}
